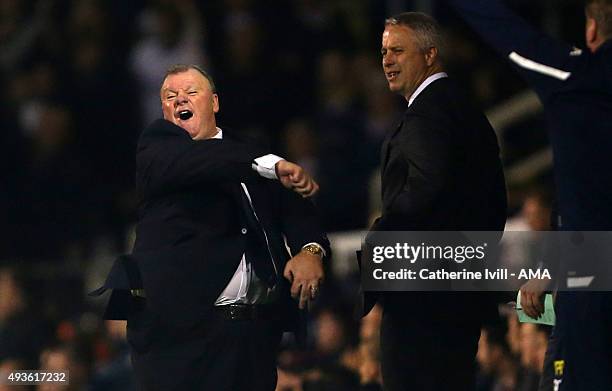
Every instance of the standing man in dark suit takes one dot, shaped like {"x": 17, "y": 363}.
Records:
{"x": 575, "y": 87}
{"x": 440, "y": 172}
{"x": 210, "y": 303}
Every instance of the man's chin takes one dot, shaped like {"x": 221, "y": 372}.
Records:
{"x": 193, "y": 134}
{"x": 394, "y": 87}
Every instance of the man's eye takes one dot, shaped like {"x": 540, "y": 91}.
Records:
{"x": 193, "y": 93}
{"x": 170, "y": 97}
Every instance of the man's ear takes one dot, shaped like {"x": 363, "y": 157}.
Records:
{"x": 591, "y": 31}
{"x": 431, "y": 56}
{"x": 215, "y": 99}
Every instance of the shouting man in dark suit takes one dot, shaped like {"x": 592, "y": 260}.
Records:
{"x": 210, "y": 303}
{"x": 440, "y": 172}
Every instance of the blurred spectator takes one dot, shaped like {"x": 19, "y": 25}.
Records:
{"x": 252, "y": 89}
{"x": 497, "y": 368}
{"x": 171, "y": 33}
{"x": 8, "y": 366}
{"x": 64, "y": 358}
{"x": 53, "y": 207}
{"x": 369, "y": 349}
{"x": 537, "y": 209}
{"x": 513, "y": 335}
{"x": 331, "y": 363}
{"x": 98, "y": 86}
{"x": 113, "y": 369}
{"x": 383, "y": 109}
{"x": 340, "y": 132}
{"x": 521, "y": 244}
{"x": 21, "y": 332}
{"x": 21, "y": 25}
{"x": 301, "y": 145}
{"x": 334, "y": 333}
{"x": 533, "y": 349}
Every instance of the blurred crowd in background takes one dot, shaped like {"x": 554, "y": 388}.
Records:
{"x": 80, "y": 81}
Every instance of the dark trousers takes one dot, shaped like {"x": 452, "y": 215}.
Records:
{"x": 219, "y": 354}
{"x": 428, "y": 343}
{"x": 579, "y": 354}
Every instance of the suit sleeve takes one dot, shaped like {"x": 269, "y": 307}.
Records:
{"x": 300, "y": 222}
{"x": 167, "y": 162}
{"x": 544, "y": 62}
{"x": 425, "y": 147}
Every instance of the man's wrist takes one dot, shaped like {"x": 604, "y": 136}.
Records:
{"x": 266, "y": 166}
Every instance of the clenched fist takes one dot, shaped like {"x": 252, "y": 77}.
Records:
{"x": 296, "y": 178}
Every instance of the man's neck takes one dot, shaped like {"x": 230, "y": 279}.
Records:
{"x": 424, "y": 84}
{"x": 208, "y": 134}
{"x": 430, "y": 72}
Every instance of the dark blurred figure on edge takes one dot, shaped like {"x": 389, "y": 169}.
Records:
{"x": 575, "y": 87}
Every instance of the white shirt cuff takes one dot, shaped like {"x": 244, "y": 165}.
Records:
{"x": 265, "y": 165}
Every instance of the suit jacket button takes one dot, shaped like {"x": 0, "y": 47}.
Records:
{"x": 244, "y": 231}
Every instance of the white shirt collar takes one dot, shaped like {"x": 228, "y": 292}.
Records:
{"x": 424, "y": 85}
{"x": 219, "y": 134}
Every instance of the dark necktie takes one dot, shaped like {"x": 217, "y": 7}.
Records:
{"x": 257, "y": 248}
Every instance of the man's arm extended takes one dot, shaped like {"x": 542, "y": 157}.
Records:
{"x": 546, "y": 63}
{"x": 168, "y": 161}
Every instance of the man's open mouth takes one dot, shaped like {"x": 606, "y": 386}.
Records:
{"x": 185, "y": 114}
{"x": 392, "y": 75}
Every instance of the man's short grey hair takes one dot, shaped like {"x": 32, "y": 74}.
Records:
{"x": 180, "y": 68}
{"x": 601, "y": 11}
{"x": 426, "y": 29}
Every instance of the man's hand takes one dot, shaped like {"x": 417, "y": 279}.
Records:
{"x": 532, "y": 293}
{"x": 305, "y": 272}
{"x": 296, "y": 178}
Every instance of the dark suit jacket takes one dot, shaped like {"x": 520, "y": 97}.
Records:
{"x": 192, "y": 228}
{"x": 441, "y": 169}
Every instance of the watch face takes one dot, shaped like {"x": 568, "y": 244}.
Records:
{"x": 311, "y": 248}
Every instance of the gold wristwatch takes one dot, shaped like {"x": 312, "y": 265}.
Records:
{"x": 315, "y": 249}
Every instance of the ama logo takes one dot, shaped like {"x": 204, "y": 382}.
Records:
{"x": 539, "y": 274}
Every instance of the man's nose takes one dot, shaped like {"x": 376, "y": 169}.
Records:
{"x": 181, "y": 98}
{"x": 387, "y": 60}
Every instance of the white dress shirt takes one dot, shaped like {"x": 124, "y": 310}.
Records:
{"x": 245, "y": 287}
{"x": 424, "y": 85}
